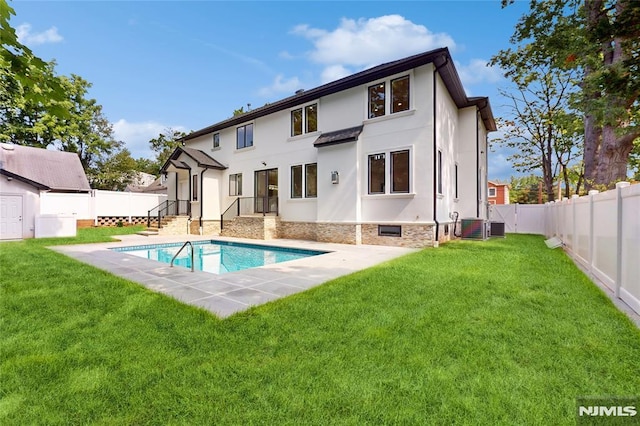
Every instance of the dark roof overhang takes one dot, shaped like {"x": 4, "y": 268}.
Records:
{"x": 339, "y": 136}
{"x": 439, "y": 57}
{"x": 23, "y": 179}
{"x": 200, "y": 157}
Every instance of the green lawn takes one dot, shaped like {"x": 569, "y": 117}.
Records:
{"x": 498, "y": 332}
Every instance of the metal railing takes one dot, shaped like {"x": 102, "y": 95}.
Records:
{"x": 188, "y": 243}
{"x": 168, "y": 208}
{"x": 249, "y": 206}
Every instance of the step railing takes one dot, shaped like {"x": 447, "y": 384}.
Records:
{"x": 169, "y": 208}
{"x": 249, "y": 206}
{"x": 188, "y": 243}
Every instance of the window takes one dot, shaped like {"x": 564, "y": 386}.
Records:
{"x": 393, "y": 97}
{"x": 194, "y": 187}
{"x": 455, "y": 181}
{"x": 311, "y": 114}
{"x": 311, "y": 180}
{"x": 216, "y": 140}
{"x": 304, "y": 118}
{"x": 390, "y": 230}
{"x": 235, "y": 184}
{"x": 244, "y": 136}
{"x": 377, "y": 100}
{"x": 296, "y": 122}
{"x": 492, "y": 192}
{"x": 310, "y": 183}
{"x": 296, "y": 181}
{"x": 400, "y": 94}
{"x": 400, "y": 171}
{"x": 377, "y": 174}
{"x": 439, "y": 165}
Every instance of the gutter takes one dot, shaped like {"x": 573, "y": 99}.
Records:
{"x": 436, "y": 69}
{"x": 477, "y": 168}
{"x": 201, "y": 199}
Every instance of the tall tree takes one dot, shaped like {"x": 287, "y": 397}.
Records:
{"x": 165, "y": 144}
{"x": 601, "y": 40}
{"x": 113, "y": 172}
{"x": 540, "y": 126}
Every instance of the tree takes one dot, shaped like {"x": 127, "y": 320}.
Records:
{"x": 541, "y": 127}
{"x": 526, "y": 190}
{"x": 165, "y": 144}
{"x": 21, "y": 69}
{"x": 601, "y": 40}
{"x": 113, "y": 172}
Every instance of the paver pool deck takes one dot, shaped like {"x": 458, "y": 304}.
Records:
{"x": 226, "y": 294}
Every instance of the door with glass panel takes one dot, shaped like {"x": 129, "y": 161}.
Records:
{"x": 266, "y": 191}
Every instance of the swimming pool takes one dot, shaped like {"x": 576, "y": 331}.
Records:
{"x": 219, "y": 257}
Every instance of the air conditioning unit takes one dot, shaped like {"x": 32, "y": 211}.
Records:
{"x": 474, "y": 229}
{"x": 496, "y": 229}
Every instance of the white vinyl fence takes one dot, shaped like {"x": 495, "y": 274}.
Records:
{"x": 98, "y": 204}
{"x": 600, "y": 231}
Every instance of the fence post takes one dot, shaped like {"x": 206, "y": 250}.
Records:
{"x": 618, "y": 282}
{"x": 591, "y": 231}
{"x": 574, "y": 199}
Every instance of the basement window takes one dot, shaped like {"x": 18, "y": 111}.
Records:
{"x": 389, "y": 230}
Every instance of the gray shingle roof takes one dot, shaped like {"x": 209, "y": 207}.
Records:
{"x": 43, "y": 168}
{"x": 200, "y": 157}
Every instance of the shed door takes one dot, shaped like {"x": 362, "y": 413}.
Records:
{"x": 10, "y": 217}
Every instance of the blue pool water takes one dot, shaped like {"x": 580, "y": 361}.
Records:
{"x": 219, "y": 257}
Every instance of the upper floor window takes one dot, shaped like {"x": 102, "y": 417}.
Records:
{"x": 492, "y": 192}
{"x": 216, "y": 140}
{"x": 244, "y": 136}
{"x": 398, "y": 97}
{"x": 304, "y": 120}
{"x": 400, "y": 94}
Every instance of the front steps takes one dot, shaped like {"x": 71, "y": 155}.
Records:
{"x": 171, "y": 225}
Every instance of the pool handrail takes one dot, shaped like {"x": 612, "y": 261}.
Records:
{"x": 176, "y": 255}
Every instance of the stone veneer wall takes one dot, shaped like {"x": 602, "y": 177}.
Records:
{"x": 415, "y": 236}
{"x": 341, "y": 233}
{"x": 256, "y": 227}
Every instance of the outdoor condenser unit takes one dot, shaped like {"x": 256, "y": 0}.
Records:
{"x": 474, "y": 229}
{"x": 496, "y": 229}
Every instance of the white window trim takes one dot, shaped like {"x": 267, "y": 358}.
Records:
{"x": 387, "y": 97}
{"x": 387, "y": 173}
{"x": 495, "y": 192}
{"x": 253, "y": 143}
{"x": 304, "y": 120}
{"x": 304, "y": 182}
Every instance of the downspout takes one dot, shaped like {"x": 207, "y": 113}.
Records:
{"x": 435, "y": 157}
{"x": 477, "y": 167}
{"x": 201, "y": 198}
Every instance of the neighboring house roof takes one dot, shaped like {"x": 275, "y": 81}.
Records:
{"x": 339, "y": 136}
{"x": 43, "y": 168}
{"x": 439, "y": 57}
{"x": 200, "y": 157}
{"x": 498, "y": 184}
{"x": 155, "y": 187}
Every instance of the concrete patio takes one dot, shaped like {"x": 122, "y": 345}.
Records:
{"x": 229, "y": 293}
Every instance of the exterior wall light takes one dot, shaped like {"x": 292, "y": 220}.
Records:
{"x": 335, "y": 178}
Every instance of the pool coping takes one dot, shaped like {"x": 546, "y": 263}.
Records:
{"x": 227, "y": 294}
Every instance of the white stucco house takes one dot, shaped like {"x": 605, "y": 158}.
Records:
{"x": 388, "y": 156}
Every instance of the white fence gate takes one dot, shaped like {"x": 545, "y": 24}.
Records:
{"x": 519, "y": 218}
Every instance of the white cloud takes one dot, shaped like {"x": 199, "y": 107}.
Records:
{"x": 282, "y": 85}
{"x": 367, "y": 42}
{"x": 136, "y": 136}
{"x": 334, "y": 72}
{"x": 478, "y": 71}
{"x": 25, "y": 36}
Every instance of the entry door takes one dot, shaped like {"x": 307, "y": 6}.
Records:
{"x": 10, "y": 217}
{"x": 266, "y": 191}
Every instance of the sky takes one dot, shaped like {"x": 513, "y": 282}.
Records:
{"x": 186, "y": 65}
